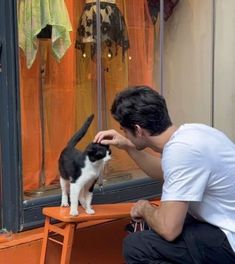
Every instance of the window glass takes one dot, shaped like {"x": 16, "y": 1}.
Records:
{"x": 58, "y": 78}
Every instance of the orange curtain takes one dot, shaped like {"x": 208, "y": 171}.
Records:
{"x": 59, "y": 105}
{"x": 58, "y": 93}
{"x": 30, "y": 123}
{"x": 141, "y": 35}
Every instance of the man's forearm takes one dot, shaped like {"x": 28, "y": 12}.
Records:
{"x": 151, "y": 215}
{"x": 150, "y": 164}
{"x": 166, "y": 220}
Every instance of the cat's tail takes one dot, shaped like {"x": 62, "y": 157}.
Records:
{"x": 80, "y": 133}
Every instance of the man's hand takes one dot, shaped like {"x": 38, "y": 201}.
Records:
{"x": 167, "y": 220}
{"x": 112, "y": 137}
{"x": 137, "y": 210}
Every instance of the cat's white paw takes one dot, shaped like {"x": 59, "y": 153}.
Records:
{"x": 74, "y": 212}
{"x": 90, "y": 211}
{"x": 64, "y": 201}
{"x": 64, "y": 204}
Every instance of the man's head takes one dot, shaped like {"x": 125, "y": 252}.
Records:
{"x": 141, "y": 106}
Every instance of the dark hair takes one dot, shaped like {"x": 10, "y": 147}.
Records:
{"x": 143, "y": 106}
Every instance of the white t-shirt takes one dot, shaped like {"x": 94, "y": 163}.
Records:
{"x": 199, "y": 166}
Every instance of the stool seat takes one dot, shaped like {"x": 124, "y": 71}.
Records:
{"x": 102, "y": 212}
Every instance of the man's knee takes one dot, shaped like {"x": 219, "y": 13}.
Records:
{"x": 129, "y": 246}
{"x": 138, "y": 247}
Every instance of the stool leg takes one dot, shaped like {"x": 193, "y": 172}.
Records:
{"x": 67, "y": 243}
{"x": 45, "y": 240}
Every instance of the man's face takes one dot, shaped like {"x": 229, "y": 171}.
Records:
{"x": 137, "y": 140}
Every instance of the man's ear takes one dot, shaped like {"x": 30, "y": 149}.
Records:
{"x": 138, "y": 131}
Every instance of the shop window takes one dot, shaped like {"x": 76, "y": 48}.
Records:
{"x": 58, "y": 80}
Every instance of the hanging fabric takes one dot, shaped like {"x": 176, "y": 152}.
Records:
{"x": 113, "y": 29}
{"x": 35, "y": 15}
{"x": 154, "y": 8}
{"x": 57, "y": 83}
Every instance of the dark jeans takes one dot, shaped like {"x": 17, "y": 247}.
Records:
{"x": 199, "y": 243}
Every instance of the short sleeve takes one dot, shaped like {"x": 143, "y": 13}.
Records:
{"x": 185, "y": 173}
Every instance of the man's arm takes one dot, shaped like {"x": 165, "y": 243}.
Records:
{"x": 166, "y": 220}
{"x": 150, "y": 164}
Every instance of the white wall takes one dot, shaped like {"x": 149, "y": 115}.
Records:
{"x": 224, "y": 108}
{"x": 188, "y": 62}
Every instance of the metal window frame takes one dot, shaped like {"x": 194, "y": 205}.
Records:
{"x": 11, "y": 184}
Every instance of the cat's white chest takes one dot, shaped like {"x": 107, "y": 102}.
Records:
{"x": 92, "y": 169}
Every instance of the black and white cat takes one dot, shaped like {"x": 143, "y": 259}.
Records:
{"x": 79, "y": 170}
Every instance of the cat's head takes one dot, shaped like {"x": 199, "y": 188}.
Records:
{"x": 97, "y": 151}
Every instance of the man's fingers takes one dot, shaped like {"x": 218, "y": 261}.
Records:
{"x": 107, "y": 134}
{"x": 106, "y": 142}
{"x": 98, "y": 137}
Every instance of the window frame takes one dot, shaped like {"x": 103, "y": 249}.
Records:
{"x": 11, "y": 184}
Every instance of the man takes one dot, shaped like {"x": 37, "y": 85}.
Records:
{"x": 196, "y": 220}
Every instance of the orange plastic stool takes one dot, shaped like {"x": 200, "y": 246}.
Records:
{"x": 102, "y": 212}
